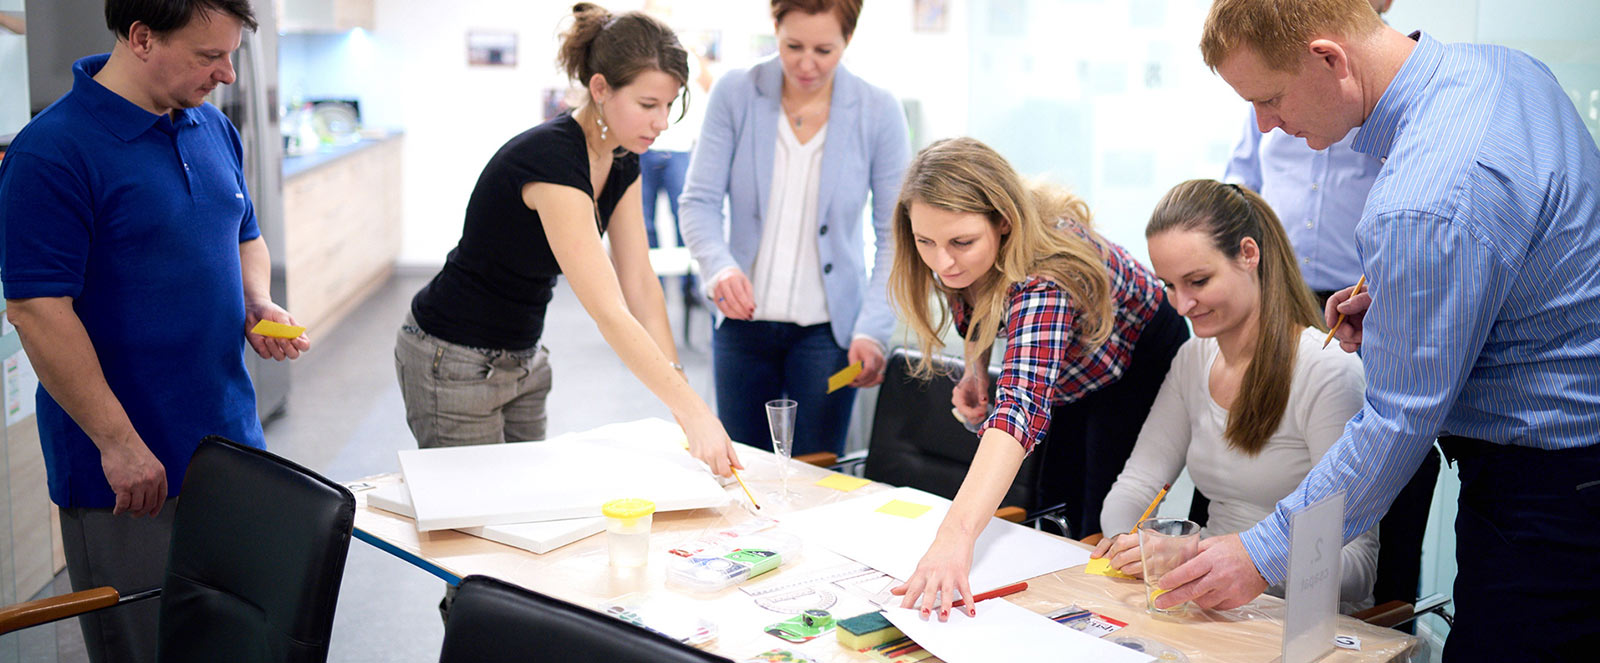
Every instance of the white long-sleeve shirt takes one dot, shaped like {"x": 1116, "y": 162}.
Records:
{"x": 1185, "y": 428}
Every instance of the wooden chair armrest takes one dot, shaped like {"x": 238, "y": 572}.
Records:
{"x": 819, "y": 459}
{"x": 1012, "y": 513}
{"x": 32, "y": 613}
{"x": 1093, "y": 539}
{"x": 1387, "y": 615}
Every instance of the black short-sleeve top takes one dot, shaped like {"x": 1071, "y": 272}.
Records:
{"x": 497, "y": 282}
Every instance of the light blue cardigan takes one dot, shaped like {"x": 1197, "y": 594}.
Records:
{"x": 866, "y": 149}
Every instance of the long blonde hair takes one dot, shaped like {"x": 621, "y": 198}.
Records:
{"x": 1228, "y": 213}
{"x": 964, "y": 175}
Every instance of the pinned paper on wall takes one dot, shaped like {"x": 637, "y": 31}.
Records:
{"x": 843, "y": 482}
{"x": 277, "y": 329}
{"x": 903, "y": 509}
{"x": 841, "y": 379}
{"x": 1102, "y": 567}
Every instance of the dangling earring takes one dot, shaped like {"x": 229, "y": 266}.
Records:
{"x": 600, "y": 119}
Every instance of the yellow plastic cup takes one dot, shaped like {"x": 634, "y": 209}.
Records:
{"x": 628, "y": 530}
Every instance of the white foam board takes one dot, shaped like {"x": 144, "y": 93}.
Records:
{"x": 533, "y": 537}
{"x": 565, "y": 477}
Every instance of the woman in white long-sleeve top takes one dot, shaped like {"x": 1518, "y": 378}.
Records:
{"x": 1251, "y": 403}
{"x": 795, "y": 145}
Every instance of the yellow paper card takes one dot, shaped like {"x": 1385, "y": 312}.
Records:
{"x": 842, "y": 378}
{"x": 1102, "y": 567}
{"x": 843, "y": 482}
{"x": 903, "y": 509}
{"x": 277, "y": 329}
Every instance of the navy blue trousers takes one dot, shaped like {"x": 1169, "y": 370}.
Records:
{"x": 1527, "y": 553}
{"x": 755, "y": 362}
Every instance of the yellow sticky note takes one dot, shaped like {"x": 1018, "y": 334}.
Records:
{"x": 838, "y": 380}
{"x": 1102, "y": 567}
{"x": 903, "y": 509}
{"x": 277, "y": 329}
{"x": 843, "y": 482}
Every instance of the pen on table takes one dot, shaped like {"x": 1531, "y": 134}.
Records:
{"x": 1150, "y": 509}
{"x": 1360, "y": 283}
{"x": 993, "y": 594}
{"x": 746, "y": 488}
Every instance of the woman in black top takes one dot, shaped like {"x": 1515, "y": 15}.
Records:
{"x": 469, "y": 361}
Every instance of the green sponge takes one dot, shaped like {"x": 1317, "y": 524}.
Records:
{"x": 866, "y": 631}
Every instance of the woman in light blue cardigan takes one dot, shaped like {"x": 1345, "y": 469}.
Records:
{"x": 794, "y": 145}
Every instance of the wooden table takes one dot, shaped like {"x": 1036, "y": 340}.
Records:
{"x": 579, "y": 573}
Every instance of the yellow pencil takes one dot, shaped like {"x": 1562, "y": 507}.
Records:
{"x": 1360, "y": 283}
{"x": 1150, "y": 509}
{"x": 746, "y": 488}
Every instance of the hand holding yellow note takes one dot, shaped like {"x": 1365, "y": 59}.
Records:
{"x": 903, "y": 509}
{"x": 277, "y": 329}
{"x": 843, "y": 378}
{"x": 1102, "y": 567}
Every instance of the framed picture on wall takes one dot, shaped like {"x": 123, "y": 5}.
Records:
{"x": 491, "y": 48}
{"x": 929, "y": 15}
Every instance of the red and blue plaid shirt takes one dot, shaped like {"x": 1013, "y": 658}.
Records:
{"x": 1046, "y": 363}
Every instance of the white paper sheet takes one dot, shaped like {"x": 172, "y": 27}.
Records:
{"x": 1004, "y": 554}
{"x": 565, "y": 477}
{"x": 1004, "y": 631}
{"x": 533, "y": 537}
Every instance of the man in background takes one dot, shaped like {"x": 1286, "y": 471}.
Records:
{"x": 132, "y": 269}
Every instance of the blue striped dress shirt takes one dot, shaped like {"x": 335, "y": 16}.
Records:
{"x": 1317, "y": 194}
{"x": 1481, "y": 245}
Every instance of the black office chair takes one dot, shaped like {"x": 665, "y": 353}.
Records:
{"x": 258, "y": 551}
{"x": 916, "y": 442}
{"x": 494, "y": 622}
{"x": 1395, "y": 589}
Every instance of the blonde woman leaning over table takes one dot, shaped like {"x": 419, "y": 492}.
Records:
{"x": 1254, "y": 401}
{"x": 1088, "y": 327}
{"x": 470, "y": 361}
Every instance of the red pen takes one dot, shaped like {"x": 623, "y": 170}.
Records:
{"x": 994, "y": 593}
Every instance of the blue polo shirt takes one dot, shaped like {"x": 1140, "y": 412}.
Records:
{"x": 138, "y": 218}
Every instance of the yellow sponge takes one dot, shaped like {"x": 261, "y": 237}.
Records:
{"x": 866, "y": 631}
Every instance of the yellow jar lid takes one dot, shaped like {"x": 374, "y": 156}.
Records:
{"x": 628, "y": 509}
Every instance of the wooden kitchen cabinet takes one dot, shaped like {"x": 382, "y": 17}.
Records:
{"x": 341, "y": 232}
{"x": 325, "y": 15}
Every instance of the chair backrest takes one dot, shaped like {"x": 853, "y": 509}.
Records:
{"x": 1400, "y": 535}
{"x": 916, "y": 442}
{"x": 492, "y": 622}
{"x": 258, "y": 551}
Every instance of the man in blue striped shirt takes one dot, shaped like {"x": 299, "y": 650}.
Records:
{"x": 1480, "y": 241}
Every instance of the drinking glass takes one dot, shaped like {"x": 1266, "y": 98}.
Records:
{"x": 780, "y": 419}
{"x": 1165, "y": 544}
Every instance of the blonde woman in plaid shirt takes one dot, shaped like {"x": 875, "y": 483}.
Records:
{"x": 1089, "y": 339}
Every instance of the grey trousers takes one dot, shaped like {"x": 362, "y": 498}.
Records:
{"x": 457, "y": 395}
{"x": 129, "y": 554}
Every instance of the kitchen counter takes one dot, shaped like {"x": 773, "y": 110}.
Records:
{"x": 296, "y": 165}
{"x": 342, "y": 227}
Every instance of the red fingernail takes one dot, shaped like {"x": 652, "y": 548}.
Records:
{"x": 944, "y": 614}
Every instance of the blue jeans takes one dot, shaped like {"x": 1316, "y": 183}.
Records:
{"x": 661, "y": 172}
{"x": 755, "y": 362}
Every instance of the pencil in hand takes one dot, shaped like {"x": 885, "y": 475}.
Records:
{"x": 1360, "y": 283}
{"x": 1150, "y": 509}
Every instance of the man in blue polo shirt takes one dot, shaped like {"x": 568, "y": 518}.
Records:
{"x": 132, "y": 268}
